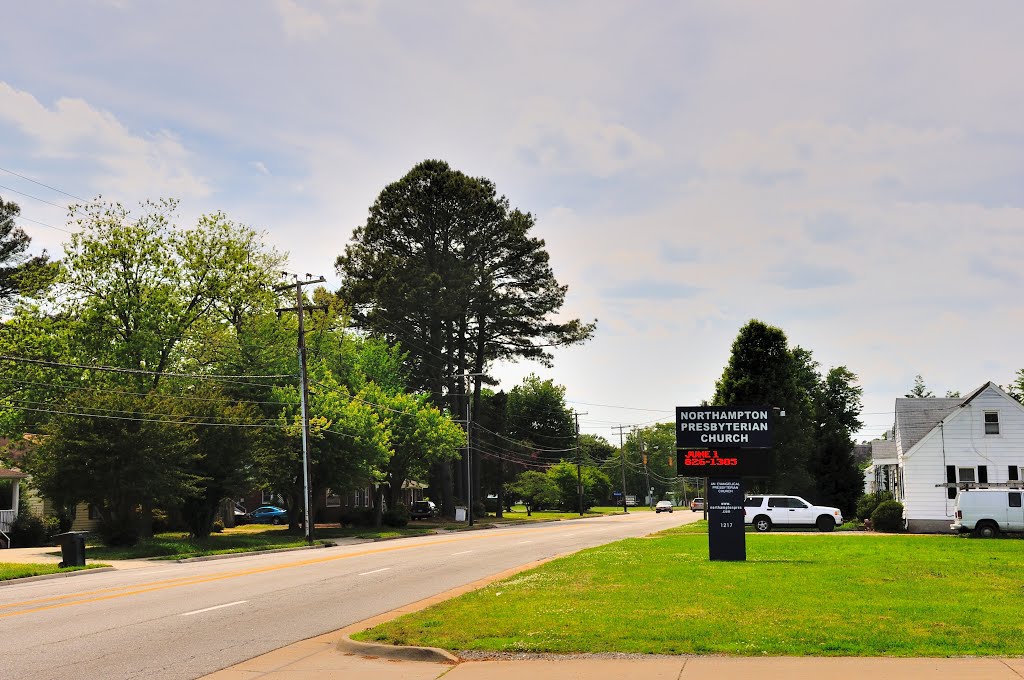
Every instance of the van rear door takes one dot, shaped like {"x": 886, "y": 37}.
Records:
{"x": 1014, "y": 512}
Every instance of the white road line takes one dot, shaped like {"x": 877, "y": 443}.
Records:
{"x": 462, "y": 553}
{"x": 210, "y": 609}
{"x": 375, "y": 571}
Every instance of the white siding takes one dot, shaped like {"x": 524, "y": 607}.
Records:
{"x": 962, "y": 442}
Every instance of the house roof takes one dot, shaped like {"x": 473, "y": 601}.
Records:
{"x": 917, "y": 417}
{"x": 883, "y": 450}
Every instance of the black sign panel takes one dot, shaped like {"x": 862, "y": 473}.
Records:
{"x": 726, "y": 538}
{"x": 724, "y": 441}
{"x": 723, "y": 427}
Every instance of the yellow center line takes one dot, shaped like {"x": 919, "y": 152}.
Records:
{"x": 166, "y": 584}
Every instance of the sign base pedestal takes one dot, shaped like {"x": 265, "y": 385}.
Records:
{"x": 727, "y": 540}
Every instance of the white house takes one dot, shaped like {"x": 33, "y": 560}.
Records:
{"x": 943, "y": 445}
{"x": 881, "y": 474}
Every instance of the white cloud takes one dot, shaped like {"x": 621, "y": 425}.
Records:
{"x": 139, "y": 166}
{"x": 300, "y": 23}
{"x": 578, "y": 139}
{"x": 260, "y": 168}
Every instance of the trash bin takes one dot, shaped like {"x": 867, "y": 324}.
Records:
{"x": 460, "y": 513}
{"x": 72, "y": 549}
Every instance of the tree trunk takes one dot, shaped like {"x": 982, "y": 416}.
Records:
{"x": 146, "y": 520}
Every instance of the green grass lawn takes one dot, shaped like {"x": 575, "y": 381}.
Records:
{"x": 519, "y": 514}
{"x": 245, "y": 538}
{"x": 252, "y": 537}
{"x": 797, "y": 594}
{"x": 10, "y": 570}
{"x": 701, "y": 527}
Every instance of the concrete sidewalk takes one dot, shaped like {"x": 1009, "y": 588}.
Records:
{"x": 41, "y": 555}
{"x": 323, "y": 657}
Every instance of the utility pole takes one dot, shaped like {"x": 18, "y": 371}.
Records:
{"x": 622, "y": 458}
{"x": 469, "y": 455}
{"x": 304, "y": 392}
{"x": 647, "y": 475}
{"x": 579, "y": 461}
{"x": 469, "y": 443}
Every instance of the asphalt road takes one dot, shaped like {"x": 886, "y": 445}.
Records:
{"x": 170, "y": 620}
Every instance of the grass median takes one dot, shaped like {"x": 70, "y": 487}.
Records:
{"x": 11, "y": 570}
{"x": 245, "y": 538}
{"x": 797, "y": 594}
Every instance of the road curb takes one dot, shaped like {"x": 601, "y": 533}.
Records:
{"x": 346, "y": 645}
{"x": 250, "y": 553}
{"x": 47, "y": 577}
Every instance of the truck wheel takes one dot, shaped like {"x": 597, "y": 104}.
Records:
{"x": 986, "y": 530}
{"x": 762, "y": 524}
{"x": 826, "y": 523}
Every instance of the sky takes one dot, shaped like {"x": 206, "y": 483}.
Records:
{"x": 851, "y": 172}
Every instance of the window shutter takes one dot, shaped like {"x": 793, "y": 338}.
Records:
{"x": 951, "y": 479}
{"x": 982, "y": 474}
{"x": 1013, "y": 475}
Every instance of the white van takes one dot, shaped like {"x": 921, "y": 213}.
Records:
{"x": 986, "y": 512}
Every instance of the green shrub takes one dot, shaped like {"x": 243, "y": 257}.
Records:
{"x": 29, "y": 530}
{"x": 888, "y": 516}
{"x": 161, "y": 522}
{"x": 480, "y": 509}
{"x": 397, "y": 516}
{"x": 218, "y": 525}
{"x": 347, "y": 517}
{"x": 867, "y": 503}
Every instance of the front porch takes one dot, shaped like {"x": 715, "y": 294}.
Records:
{"x": 10, "y": 481}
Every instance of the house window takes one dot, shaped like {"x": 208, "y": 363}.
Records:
{"x": 270, "y": 498}
{"x": 966, "y": 474}
{"x": 991, "y": 422}
{"x": 94, "y": 512}
{"x": 333, "y": 499}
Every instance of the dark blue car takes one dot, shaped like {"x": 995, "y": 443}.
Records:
{"x": 268, "y": 514}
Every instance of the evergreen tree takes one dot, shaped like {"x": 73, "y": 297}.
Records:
{"x": 763, "y": 372}
{"x": 919, "y": 391}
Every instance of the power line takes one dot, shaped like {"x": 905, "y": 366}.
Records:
{"x": 29, "y": 179}
{"x": 138, "y": 371}
{"x": 44, "y": 224}
{"x": 140, "y": 394}
{"x": 141, "y": 420}
{"x": 34, "y": 198}
{"x": 624, "y": 408}
{"x": 123, "y": 411}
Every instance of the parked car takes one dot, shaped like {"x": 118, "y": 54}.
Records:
{"x": 697, "y": 504}
{"x": 986, "y": 512}
{"x": 268, "y": 514}
{"x": 663, "y": 506}
{"x": 422, "y": 510}
{"x": 764, "y": 512}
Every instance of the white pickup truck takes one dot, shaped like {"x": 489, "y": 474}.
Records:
{"x": 986, "y": 512}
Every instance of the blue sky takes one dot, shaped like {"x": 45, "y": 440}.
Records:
{"x": 849, "y": 171}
